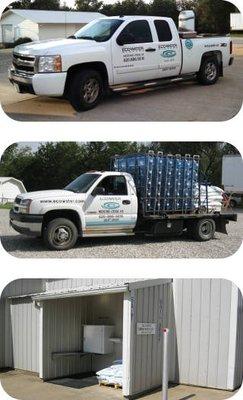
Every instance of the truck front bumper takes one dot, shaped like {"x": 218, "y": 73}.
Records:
{"x": 38, "y": 84}
{"x": 27, "y": 224}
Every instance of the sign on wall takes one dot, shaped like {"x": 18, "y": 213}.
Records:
{"x": 146, "y": 328}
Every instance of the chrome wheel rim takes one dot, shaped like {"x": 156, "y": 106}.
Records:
{"x": 62, "y": 235}
{"x": 211, "y": 71}
{"x": 206, "y": 228}
{"x": 91, "y": 90}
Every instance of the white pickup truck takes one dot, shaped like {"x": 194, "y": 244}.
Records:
{"x": 118, "y": 54}
{"x": 99, "y": 204}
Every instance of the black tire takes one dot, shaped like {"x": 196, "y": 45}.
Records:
{"x": 209, "y": 71}
{"x": 203, "y": 230}
{"x": 86, "y": 90}
{"x": 233, "y": 203}
{"x": 60, "y": 234}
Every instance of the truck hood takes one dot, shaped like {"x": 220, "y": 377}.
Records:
{"x": 52, "y": 47}
{"x": 51, "y": 195}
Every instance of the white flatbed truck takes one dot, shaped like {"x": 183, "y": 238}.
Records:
{"x": 158, "y": 198}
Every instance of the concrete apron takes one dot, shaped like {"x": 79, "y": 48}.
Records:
{"x": 27, "y": 386}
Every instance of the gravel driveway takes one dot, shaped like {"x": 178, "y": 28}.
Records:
{"x": 131, "y": 247}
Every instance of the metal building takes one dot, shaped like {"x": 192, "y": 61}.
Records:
{"x": 43, "y": 324}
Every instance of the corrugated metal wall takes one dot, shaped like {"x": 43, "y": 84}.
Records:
{"x": 2, "y": 334}
{"x": 149, "y": 305}
{"x": 24, "y": 286}
{"x": 63, "y": 332}
{"x": 10, "y": 316}
{"x": 23, "y": 338}
{"x": 239, "y": 344}
{"x": 59, "y": 284}
{"x": 202, "y": 315}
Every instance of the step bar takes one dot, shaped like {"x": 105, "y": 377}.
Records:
{"x": 151, "y": 84}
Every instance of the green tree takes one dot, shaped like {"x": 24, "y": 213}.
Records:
{"x": 164, "y": 8}
{"x": 88, "y": 5}
{"x": 213, "y": 16}
{"x": 37, "y": 4}
{"x": 16, "y": 161}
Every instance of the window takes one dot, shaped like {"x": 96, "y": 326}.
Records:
{"x": 163, "y": 31}
{"x": 136, "y": 32}
{"x": 100, "y": 31}
{"x": 114, "y": 186}
{"x": 83, "y": 183}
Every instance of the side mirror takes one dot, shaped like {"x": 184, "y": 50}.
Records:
{"x": 125, "y": 38}
{"x": 98, "y": 191}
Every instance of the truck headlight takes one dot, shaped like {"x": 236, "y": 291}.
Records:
{"x": 24, "y": 206}
{"x": 50, "y": 64}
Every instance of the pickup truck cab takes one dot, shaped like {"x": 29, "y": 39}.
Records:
{"x": 117, "y": 54}
{"x": 99, "y": 204}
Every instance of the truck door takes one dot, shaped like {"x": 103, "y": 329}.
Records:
{"x": 108, "y": 209}
{"x": 169, "y": 49}
{"x": 134, "y": 54}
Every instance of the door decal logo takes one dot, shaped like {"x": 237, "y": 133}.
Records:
{"x": 110, "y": 206}
{"x": 189, "y": 44}
{"x": 168, "y": 54}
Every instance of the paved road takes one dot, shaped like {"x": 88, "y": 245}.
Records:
{"x": 178, "y": 102}
{"x": 131, "y": 247}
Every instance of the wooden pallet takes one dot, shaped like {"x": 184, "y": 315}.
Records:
{"x": 105, "y": 383}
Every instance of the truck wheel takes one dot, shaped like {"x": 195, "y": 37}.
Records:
{"x": 203, "y": 230}
{"x": 86, "y": 90}
{"x": 60, "y": 234}
{"x": 233, "y": 203}
{"x": 209, "y": 71}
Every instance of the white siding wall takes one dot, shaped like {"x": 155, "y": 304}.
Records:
{"x": 148, "y": 305}
{"x": 203, "y": 331}
{"x": 11, "y": 19}
{"x": 8, "y": 191}
{"x": 56, "y": 31}
{"x": 28, "y": 29}
{"x": 63, "y": 332}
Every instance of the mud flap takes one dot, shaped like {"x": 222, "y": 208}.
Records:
{"x": 221, "y": 226}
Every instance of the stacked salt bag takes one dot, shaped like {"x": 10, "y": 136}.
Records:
{"x": 112, "y": 375}
{"x": 215, "y": 198}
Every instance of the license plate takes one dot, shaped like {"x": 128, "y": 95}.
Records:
{"x": 17, "y": 87}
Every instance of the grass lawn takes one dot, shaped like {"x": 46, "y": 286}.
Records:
{"x": 233, "y": 34}
{"x": 7, "y": 206}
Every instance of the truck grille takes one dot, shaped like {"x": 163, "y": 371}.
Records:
{"x": 24, "y": 64}
{"x": 17, "y": 200}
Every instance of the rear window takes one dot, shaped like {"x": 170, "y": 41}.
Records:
{"x": 163, "y": 31}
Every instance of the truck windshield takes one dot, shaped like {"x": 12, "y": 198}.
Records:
{"x": 100, "y": 31}
{"x": 83, "y": 183}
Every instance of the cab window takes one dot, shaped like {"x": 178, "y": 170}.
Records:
{"x": 136, "y": 32}
{"x": 163, "y": 31}
{"x": 114, "y": 186}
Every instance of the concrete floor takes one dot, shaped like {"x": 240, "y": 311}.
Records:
{"x": 27, "y": 386}
{"x": 178, "y": 102}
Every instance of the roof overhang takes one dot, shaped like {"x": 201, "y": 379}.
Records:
{"x": 79, "y": 293}
{"x": 94, "y": 290}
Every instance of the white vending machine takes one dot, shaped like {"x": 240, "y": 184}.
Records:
{"x": 97, "y": 339}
